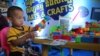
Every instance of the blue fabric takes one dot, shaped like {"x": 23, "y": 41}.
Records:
{"x": 66, "y": 52}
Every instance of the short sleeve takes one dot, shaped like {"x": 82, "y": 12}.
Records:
{"x": 27, "y": 28}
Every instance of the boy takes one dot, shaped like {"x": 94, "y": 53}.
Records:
{"x": 18, "y": 33}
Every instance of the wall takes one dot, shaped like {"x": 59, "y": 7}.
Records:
{"x": 77, "y": 17}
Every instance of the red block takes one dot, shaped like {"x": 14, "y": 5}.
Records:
{"x": 66, "y": 37}
{"x": 56, "y": 37}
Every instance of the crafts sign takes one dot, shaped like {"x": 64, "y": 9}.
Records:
{"x": 54, "y": 8}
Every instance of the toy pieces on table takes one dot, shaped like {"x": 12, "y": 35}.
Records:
{"x": 96, "y": 39}
{"x": 78, "y": 39}
{"x": 95, "y": 24}
{"x": 56, "y": 35}
{"x": 97, "y": 34}
{"x": 94, "y": 29}
{"x": 66, "y": 37}
{"x": 58, "y": 42}
{"x": 86, "y": 29}
{"x": 90, "y": 39}
{"x": 78, "y": 30}
{"x": 87, "y": 39}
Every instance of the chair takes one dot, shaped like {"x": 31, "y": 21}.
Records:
{"x": 3, "y": 39}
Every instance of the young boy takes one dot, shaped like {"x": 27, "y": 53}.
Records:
{"x": 18, "y": 33}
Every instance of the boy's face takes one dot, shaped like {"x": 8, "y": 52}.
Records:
{"x": 17, "y": 18}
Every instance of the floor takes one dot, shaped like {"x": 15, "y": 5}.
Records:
{"x": 65, "y": 52}
{"x": 54, "y": 51}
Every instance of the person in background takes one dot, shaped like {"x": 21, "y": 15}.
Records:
{"x": 18, "y": 33}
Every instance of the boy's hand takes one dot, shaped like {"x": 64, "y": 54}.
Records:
{"x": 22, "y": 39}
{"x": 27, "y": 35}
{"x": 31, "y": 34}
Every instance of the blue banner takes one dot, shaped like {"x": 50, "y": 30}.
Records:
{"x": 54, "y": 8}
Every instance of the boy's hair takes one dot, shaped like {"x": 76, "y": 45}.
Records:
{"x": 11, "y": 10}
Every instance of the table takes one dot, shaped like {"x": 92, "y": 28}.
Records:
{"x": 72, "y": 45}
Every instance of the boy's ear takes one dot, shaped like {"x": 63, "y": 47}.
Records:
{"x": 9, "y": 18}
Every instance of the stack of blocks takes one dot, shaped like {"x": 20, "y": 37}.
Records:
{"x": 56, "y": 35}
{"x": 42, "y": 23}
{"x": 89, "y": 39}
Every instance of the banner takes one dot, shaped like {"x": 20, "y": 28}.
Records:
{"x": 54, "y": 8}
{"x": 34, "y": 9}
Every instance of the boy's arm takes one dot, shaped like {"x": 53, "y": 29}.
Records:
{"x": 21, "y": 39}
{"x": 37, "y": 27}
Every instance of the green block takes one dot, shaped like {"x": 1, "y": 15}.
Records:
{"x": 78, "y": 39}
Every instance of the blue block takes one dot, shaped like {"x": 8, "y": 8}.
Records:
{"x": 87, "y": 39}
{"x": 56, "y": 33}
{"x": 47, "y": 18}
